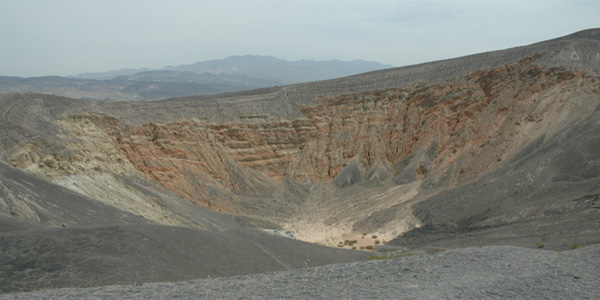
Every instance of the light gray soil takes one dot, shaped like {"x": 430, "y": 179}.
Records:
{"x": 495, "y": 272}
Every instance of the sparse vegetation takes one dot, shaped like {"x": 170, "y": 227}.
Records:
{"x": 378, "y": 257}
{"x": 435, "y": 250}
{"x": 348, "y": 243}
{"x": 397, "y": 254}
{"x": 540, "y": 245}
{"x": 575, "y": 246}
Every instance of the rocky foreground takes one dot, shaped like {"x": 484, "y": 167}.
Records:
{"x": 472, "y": 273}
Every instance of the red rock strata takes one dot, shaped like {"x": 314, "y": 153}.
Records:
{"x": 470, "y": 121}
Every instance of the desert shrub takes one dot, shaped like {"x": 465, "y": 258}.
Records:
{"x": 540, "y": 245}
{"x": 435, "y": 250}
{"x": 575, "y": 246}
{"x": 374, "y": 236}
{"x": 369, "y": 247}
{"x": 376, "y": 257}
{"x": 377, "y": 242}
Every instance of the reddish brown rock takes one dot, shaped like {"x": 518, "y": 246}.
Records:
{"x": 471, "y": 122}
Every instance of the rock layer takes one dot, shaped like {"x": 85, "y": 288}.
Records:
{"x": 470, "y": 125}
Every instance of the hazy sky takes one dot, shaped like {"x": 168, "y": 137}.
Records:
{"x": 71, "y": 37}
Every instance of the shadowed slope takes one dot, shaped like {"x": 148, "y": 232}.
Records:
{"x": 99, "y": 255}
{"x": 548, "y": 195}
{"x": 40, "y": 202}
{"x": 103, "y": 245}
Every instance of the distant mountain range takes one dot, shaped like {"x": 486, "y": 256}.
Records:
{"x": 286, "y": 72}
{"x": 235, "y": 73}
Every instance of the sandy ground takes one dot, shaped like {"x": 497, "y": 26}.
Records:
{"x": 315, "y": 225}
{"x": 335, "y": 236}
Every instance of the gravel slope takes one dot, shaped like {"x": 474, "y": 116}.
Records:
{"x": 130, "y": 254}
{"x": 495, "y": 272}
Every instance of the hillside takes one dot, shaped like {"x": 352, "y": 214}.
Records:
{"x": 497, "y": 148}
{"x": 232, "y": 74}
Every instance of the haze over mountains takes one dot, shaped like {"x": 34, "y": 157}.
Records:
{"x": 232, "y": 74}
{"x": 497, "y": 148}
